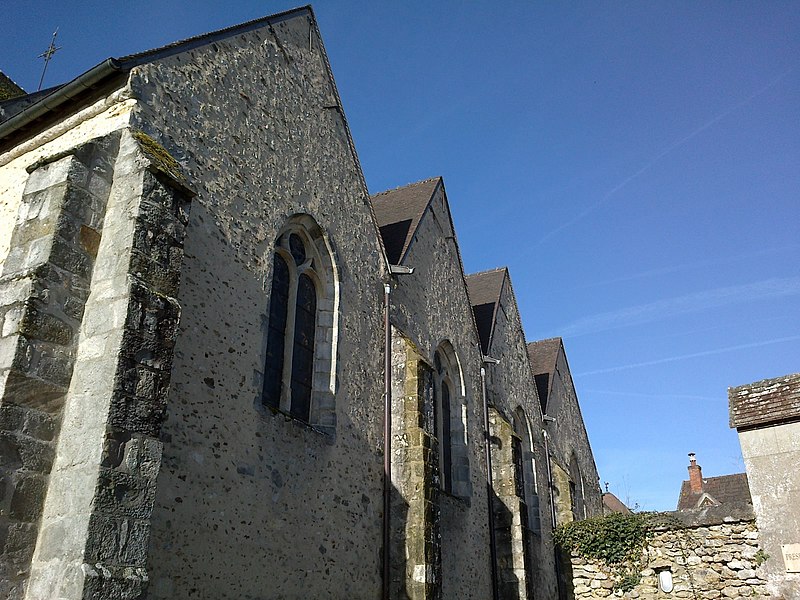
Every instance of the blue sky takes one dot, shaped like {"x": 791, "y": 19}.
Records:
{"x": 635, "y": 164}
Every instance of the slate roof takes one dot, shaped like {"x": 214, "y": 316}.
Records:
{"x": 398, "y": 213}
{"x": 484, "y": 291}
{"x": 725, "y": 489}
{"x": 543, "y": 355}
{"x": 765, "y": 402}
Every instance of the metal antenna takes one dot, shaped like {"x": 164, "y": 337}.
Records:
{"x": 47, "y": 55}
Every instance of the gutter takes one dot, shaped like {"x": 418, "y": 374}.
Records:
{"x": 62, "y": 95}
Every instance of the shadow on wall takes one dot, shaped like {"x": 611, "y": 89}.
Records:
{"x": 397, "y": 548}
{"x": 566, "y": 591}
{"x": 507, "y": 581}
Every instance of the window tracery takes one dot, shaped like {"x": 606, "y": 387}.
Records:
{"x": 299, "y": 367}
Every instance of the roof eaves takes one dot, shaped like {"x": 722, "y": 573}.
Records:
{"x": 59, "y": 96}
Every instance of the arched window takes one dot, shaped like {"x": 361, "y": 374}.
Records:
{"x": 525, "y": 467}
{"x": 299, "y": 367}
{"x": 576, "y": 490}
{"x": 449, "y": 413}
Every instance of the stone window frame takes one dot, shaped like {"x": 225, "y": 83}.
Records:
{"x": 454, "y": 474}
{"x": 521, "y": 426}
{"x": 576, "y": 491}
{"x": 320, "y": 267}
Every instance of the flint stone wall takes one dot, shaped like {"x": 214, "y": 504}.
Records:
{"x": 251, "y": 503}
{"x": 569, "y": 438}
{"x": 430, "y": 306}
{"x": 510, "y": 385}
{"x": 710, "y": 556}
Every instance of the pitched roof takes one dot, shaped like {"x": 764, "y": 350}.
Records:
{"x": 484, "y": 291}
{"x": 765, "y": 402}
{"x": 612, "y": 504}
{"x": 543, "y": 355}
{"x": 399, "y": 211}
{"x": 725, "y": 489}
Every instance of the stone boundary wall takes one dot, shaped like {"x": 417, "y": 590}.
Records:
{"x": 708, "y": 558}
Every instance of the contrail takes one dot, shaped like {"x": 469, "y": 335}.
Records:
{"x": 592, "y": 207}
{"x": 693, "y": 355}
{"x": 644, "y": 395}
{"x": 686, "y": 266}
{"x": 680, "y": 305}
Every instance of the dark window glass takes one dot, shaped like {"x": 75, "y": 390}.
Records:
{"x": 297, "y": 249}
{"x": 303, "y": 352}
{"x": 447, "y": 449}
{"x": 519, "y": 471}
{"x": 276, "y": 335}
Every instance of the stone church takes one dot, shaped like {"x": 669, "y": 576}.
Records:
{"x": 227, "y": 371}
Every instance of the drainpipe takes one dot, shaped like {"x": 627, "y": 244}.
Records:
{"x": 556, "y": 557}
{"x": 549, "y": 478}
{"x": 489, "y": 485}
{"x": 387, "y": 424}
{"x": 387, "y": 438}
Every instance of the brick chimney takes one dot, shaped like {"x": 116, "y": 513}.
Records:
{"x": 695, "y": 475}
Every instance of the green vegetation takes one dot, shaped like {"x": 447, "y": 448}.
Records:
{"x": 616, "y": 540}
{"x": 760, "y": 558}
{"x": 162, "y": 159}
{"x": 613, "y": 539}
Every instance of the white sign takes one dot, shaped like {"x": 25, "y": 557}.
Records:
{"x": 791, "y": 557}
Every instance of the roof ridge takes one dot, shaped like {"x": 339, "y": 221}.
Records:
{"x": 407, "y": 185}
{"x": 487, "y": 271}
{"x": 557, "y": 337}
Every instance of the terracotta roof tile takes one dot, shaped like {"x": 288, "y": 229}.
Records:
{"x": 612, "y": 504}
{"x": 725, "y": 489}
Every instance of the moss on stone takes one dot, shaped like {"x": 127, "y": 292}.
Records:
{"x": 159, "y": 156}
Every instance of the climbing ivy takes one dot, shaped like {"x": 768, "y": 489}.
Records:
{"x": 617, "y": 540}
{"x": 613, "y": 539}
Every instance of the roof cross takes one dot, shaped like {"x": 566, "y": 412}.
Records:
{"x": 47, "y": 55}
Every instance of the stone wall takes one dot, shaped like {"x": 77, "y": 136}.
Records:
{"x": 766, "y": 415}
{"x": 570, "y": 446}
{"x": 709, "y": 557}
{"x": 512, "y": 391}
{"x": 287, "y": 510}
{"x": 430, "y": 307}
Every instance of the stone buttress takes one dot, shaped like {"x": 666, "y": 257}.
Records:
{"x": 89, "y": 322}
{"x": 415, "y": 552}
